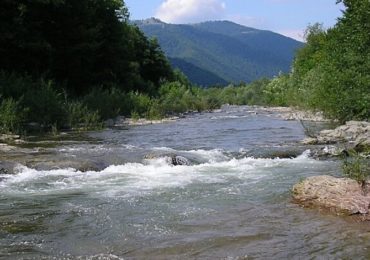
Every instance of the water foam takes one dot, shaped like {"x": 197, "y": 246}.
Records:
{"x": 131, "y": 179}
{"x": 212, "y": 156}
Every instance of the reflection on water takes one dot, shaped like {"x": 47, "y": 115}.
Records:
{"x": 231, "y": 203}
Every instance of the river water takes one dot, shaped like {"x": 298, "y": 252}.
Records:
{"x": 233, "y": 202}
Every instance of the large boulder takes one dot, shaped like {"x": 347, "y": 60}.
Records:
{"x": 340, "y": 195}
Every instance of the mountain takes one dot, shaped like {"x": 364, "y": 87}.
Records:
{"x": 218, "y": 52}
{"x": 196, "y": 74}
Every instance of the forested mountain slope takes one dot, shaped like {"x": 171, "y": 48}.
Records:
{"x": 228, "y": 50}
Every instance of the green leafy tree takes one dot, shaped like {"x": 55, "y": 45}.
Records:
{"x": 331, "y": 73}
{"x": 79, "y": 44}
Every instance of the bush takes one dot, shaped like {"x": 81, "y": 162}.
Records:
{"x": 109, "y": 103}
{"x": 79, "y": 116}
{"x": 171, "y": 97}
{"x": 357, "y": 167}
{"x": 139, "y": 104}
{"x": 276, "y": 91}
{"x": 11, "y": 116}
{"x": 45, "y": 105}
{"x": 13, "y": 85}
{"x": 155, "y": 111}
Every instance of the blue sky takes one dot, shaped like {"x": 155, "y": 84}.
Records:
{"x": 288, "y": 17}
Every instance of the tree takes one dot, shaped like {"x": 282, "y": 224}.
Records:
{"x": 79, "y": 44}
{"x": 331, "y": 73}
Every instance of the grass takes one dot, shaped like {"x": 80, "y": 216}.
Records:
{"x": 356, "y": 166}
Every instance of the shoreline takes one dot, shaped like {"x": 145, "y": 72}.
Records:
{"x": 285, "y": 113}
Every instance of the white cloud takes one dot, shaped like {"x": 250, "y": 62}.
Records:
{"x": 190, "y": 11}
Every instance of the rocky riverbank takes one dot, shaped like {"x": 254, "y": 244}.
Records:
{"x": 124, "y": 122}
{"x": 342, "y": 196}
{"x": 354, "y": 134}
{"x": 291, "y": 113}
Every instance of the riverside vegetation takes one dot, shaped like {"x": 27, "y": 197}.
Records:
{"x": 68, "y": 64}
{"x": 73, "y": 64}
{"x": 76, "y": 70}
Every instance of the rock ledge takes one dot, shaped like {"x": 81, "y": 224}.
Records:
{"x": 343, "y": 196}
{"x": 355, "y": 132}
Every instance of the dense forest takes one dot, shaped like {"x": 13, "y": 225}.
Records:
{"x": 57, "y": 54}
{"x": 79, "y": 44}
{"x": 72, "y": 64}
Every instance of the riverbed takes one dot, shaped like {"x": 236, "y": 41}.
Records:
{"x": 97, "y": 195}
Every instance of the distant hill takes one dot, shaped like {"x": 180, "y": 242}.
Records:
{"x": 219, "y": 52}
{"x": 196, "y": 74}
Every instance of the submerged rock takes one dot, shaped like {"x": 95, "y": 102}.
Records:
{"x": 79, "y": 165}
{"x": 340, "y": 195}
{"x": 7, "y": 167}
{"x": 179, "y": 160}
{"x": 171, "y": 158}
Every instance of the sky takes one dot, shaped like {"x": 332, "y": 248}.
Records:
{"x": 287, "y": 17}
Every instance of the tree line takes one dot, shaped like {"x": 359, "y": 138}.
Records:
{"x": 53, "y": 52}
{"x": 332, "y": 72}
{"x": 72, "y": 64}
{"x": 79, "y": 44}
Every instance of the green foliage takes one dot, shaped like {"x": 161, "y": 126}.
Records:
{"x": 331, "y": 73}
{"x": 356, "y": 167}
{"x": 216, "y": 53}
{"x": 86, "y": 50}
{"x": 174, "y": 97}
{"x": 254, "y": 93}
{"x": 11, "y": 116}
{"x": 45, "y": 104}
{"x": 13, "y": 85}
{"x": 80, "y": 117}
{"x": 108, "y": 102}
{"x": 135, "y": 115}
{"x": 155, "y": 110}
{"x": 79, "y": 44}
{"x": 276, "y": 91}
{"x": 311, "y": 54}
{"x": 181, "y": 77}
{"x": 40, "y": 101}
{"x": 139, "y": 104}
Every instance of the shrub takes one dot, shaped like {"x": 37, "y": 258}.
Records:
{"x": 356, "y": 167}
{"x": 11, "y": 116}
{"x": 79, "y": 116}
{"x": 139, "y": 104}
{"x": 171, "y": 97}
{"x": 276, "y": 91}
{"x": 155, "y": 111}
{"x": 109, "y": 103}
{"x": 45, "y": 104}
{"x": 13, "y": 85}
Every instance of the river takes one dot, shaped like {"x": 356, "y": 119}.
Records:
{"x": 232, "y": 202}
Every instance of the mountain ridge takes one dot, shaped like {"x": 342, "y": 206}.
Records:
{"x": 233, "y": 53}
